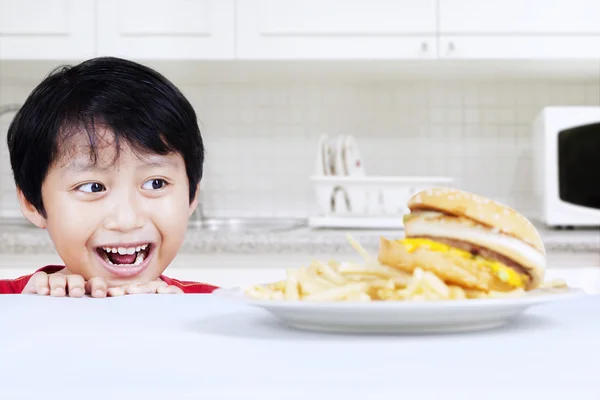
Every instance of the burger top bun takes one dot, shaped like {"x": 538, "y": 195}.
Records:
{"x": 485, "y": 211}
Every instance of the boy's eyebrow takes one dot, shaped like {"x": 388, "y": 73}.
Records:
{"x": 161, "y": 163}
{"x": 83, "y": 166}
{"x": 78, "y": 166}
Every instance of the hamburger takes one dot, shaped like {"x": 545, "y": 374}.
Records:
{"x": 469, "y": 241}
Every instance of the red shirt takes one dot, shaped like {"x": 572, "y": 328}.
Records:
{"x": 16, "y": 286}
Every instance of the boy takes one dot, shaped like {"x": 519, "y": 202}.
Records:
{"x": 107, "y": 157}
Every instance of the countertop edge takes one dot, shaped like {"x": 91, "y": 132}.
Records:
{"x": 289, "y": 242}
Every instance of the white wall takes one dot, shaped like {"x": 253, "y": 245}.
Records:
{"x": 261, "y": 136}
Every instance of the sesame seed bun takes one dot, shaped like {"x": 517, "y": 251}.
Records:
{"x": 485, "y": 234}
{"x": 479, "y": 209}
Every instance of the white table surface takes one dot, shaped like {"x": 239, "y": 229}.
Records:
{"x": 200, "y": 346}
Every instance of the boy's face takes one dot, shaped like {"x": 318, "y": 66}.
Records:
{"x": 122, "y": 218}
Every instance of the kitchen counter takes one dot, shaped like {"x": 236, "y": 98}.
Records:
{"x": 203, "y": 347}
{"x": 27, "y": 240}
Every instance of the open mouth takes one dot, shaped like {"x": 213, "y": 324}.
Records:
{"x": 125, "y": 256}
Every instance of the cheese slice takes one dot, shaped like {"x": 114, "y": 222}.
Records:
{"x": 503, "y": 272}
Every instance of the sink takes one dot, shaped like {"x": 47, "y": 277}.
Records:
{"x": 232, "y": 225}
{"x": 243, "y": 225}
{"x": 14, "y": 223}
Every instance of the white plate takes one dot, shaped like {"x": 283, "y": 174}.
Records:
{"x": 400, "y": 316}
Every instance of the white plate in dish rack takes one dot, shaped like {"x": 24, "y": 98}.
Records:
{"x": 400, "y": 316}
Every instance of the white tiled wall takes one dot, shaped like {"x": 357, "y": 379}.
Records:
{"x": 261, "y": 138}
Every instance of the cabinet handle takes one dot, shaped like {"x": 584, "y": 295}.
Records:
{"x": 451, "y": 46}
{"x": 424, "y": 47}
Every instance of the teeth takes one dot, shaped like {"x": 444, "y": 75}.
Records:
{"x": 105, "y": 256}
{"x": 139, "y": 259}
{"x": 141, "y": 255}
{"x": 125, "y": 250}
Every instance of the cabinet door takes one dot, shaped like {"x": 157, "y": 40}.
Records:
{"x": 48, "y": 29}
{"x": 336, "y": 29}
{"x": 166, "y": 29}
{"x": 525, "y": 17}
{"x": 519, "y": 29}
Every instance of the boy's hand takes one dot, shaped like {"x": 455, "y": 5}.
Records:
{"x": 158, "y": 287}
{"x": 60, "y": 285}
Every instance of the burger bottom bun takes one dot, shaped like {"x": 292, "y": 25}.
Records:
{"x": 530, "y": 259}
{"x": 452, "y": 269}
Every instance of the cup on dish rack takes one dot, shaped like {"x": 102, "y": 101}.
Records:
{"x": 358, "y": 198}
{"x": 395, "y": 199}
{"x": 370, "y": 195}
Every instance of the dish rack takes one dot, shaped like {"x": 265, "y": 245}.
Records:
{"x": 367, "y": 202}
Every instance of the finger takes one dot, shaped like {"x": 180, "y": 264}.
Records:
{"x": 169, "y": 290}
{"x": 75, "y": 285}
{"x": 151, "y": 286}
{"x": 58, "y": 284}
{"x": 41, "y": 284}
{"x": 116, "y": 291}
{"x": 38, "y": 284}
{"x": 96, "y": 287}
{"x": 135, "y": 288}
{"x": 157, "y": 284}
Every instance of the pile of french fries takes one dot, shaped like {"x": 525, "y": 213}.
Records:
{"x": 368, "y": 281}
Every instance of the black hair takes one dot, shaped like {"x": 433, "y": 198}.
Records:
{"x": 137, "y": 104}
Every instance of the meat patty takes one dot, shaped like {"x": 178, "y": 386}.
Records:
{"x": 480, "y": 251}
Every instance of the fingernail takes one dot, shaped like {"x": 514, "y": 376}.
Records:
{"x": 44, "y": 291}
{"x": 99, "y": 292}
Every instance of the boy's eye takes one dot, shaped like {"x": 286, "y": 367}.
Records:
{"x": 154, "y": 184}
{"x": 93, "y": 187}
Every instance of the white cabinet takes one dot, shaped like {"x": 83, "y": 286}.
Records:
{"x": 515, "y": 47}
{"x": 300, "y": 30}
{"x": 525, "y": 17}
{"x": 49, "y": 29}
{"x": 334, "y": 29}
{"x": 519, "y": 29}
{"x": 166, "y": 29}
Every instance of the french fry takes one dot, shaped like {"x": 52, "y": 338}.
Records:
{"x": 358, "y": 296}
{"x": 360, "y": 250}
{"x": 259, "y": 293}
{"x": 330, "y": 274}
{"x": 436, "y": 285}
{"x": 292, "y": 290}
{"x": 337, "y": 293}
{"x": 310, "y": 285}
{"x": 554, "y": 284}
{"x": 456, "y": 292}
{"x": 371, "y": 281}
{"x": 277, "y": 296}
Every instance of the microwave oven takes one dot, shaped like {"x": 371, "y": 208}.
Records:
{"x": 566, "y": 166}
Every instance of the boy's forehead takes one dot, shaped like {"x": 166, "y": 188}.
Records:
{"x": 102, "y": 150}
{"x": 97, "y": 148}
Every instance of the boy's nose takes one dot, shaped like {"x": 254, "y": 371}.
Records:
{"x": 126, "y": 216}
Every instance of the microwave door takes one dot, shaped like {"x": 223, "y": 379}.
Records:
{"x": 579, "y": 165}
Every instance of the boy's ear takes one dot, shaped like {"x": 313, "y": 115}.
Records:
{"x": 30, "y": 212}
{"x": 194, "y": 203}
